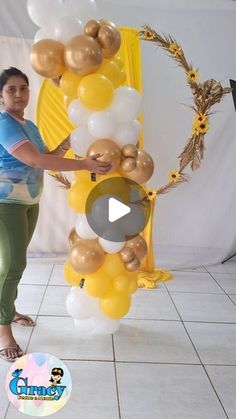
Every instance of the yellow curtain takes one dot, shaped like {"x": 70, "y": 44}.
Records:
{"x": 54, "y": 125}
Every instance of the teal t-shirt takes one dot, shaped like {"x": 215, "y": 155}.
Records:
{"x": 19, "y": 183}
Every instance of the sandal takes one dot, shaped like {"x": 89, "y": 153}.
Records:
{"x": 18, "y": 351}
{"x": 23, "y": 320}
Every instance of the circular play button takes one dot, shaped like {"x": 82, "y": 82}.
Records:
{"x": 117, "y": 209}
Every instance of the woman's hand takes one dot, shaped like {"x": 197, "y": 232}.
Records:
{"x": 93, "y": 165}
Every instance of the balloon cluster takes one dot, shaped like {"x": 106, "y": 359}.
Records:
{"x": 83, "y": 59}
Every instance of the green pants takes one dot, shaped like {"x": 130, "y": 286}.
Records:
{"x": 17, "y": 224}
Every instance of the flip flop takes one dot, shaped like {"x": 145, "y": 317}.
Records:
{"x": 4, "y": 356}
{"x": 19, "y": 317}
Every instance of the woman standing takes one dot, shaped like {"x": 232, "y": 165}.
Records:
{"x": 23, "y": 157}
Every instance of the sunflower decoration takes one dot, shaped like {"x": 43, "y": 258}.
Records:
{"x": 205, "y": 95}
{"x": 152, "y": 194}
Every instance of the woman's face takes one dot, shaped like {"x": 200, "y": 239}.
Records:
{"x": 15, "y": 94}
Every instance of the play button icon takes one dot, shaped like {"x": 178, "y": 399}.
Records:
{"x": 116, "y": 210}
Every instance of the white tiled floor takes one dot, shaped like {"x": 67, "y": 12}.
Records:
{"x": 173, "y": 357}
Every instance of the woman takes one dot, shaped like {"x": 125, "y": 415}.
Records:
{"x": 23, "y": 157}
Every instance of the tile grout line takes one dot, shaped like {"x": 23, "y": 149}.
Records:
{"x": 227, "y": 294}
{"x": 116, "y": 379}
{"x": 202, "y": 365}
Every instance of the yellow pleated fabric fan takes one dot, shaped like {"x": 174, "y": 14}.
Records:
{"x": 54, "y": 126}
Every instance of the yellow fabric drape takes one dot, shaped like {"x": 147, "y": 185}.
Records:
{"x": 54, "y": 126}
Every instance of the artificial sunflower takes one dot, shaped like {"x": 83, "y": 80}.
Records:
{"x": 201, "y": 128}
{"x": 174, "y": 49}
{"x": 152, "y": 194}
{"x": 192, "y": 75}
{"x": 174, "y": 176}
{"x": 199, "y": 119}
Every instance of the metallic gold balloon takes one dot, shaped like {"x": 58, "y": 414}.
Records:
{"x": 110, "y": 151}
{"x": 92, "y": 27}
{"x": 128, "y": 164}
{"x": 83, "y": 55}
{"x": 127, "y": 254}
{"x": 73, "y": 237}
{"x": 110, "y": 40}
{"x": 130, "y": 150}
{"x": 144, "y": 168}
{"x": 107, "y": 22}
{"x": 47, "y": 58}
{"x": 86, "y": 256}
{"x": 138, "y": 245}
{"x": 134, "y": 265}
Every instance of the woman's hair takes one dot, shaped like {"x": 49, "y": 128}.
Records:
{"x": 9, "y": 72}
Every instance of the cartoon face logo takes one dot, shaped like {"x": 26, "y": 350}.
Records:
{"x": 56, "y": 375}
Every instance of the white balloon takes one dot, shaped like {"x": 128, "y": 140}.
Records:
{"x": 101, "y": 124}
{"x": 81, "y": 140}
{"x": 80, "y": 9}
{"x": 80, "y": 305}
{"x": 103, "y": 325}
{"x": 44, "y": 12}
{"x": 126, "y": 134}
{"x": 126, "y": 104}
{"x": 83, "y": 228}
{"x": 78, "y": 113}
{"x": 110, "y": 246}
{"x": 137, "y": 125}
{"x": 84, "y": 327}
{"x": 44, "y": 33}
{"x": 66, "y": 28}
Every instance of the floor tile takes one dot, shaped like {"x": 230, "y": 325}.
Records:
{"x": 166, "y": 392}
{"x": 152, "y": 304}
{"x": 4, "y": 367}
{"x": 205, "y": 307}
{"x": 193, "y": 282}
{"x": 214, "y": 342}
{"x": 57, "y": 335}
{"x": 153, "y": 341}
{"x": 228, "y": 267}
{"x": 233, "y": 297}
{"x": 37, "y": 273}
{"x": 54, "y": 301}
{"x": 29, "y": 298}
{"x": 226, "y": 281}
{"x": 57, "y": 277}
{"x": 224, "y": 381}
{"x": 93, "y": 392}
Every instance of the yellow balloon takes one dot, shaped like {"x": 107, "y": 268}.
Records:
{"x": 121, "y": 283}
{"x": 98, "y": 283}
{"x": 111, "y": 70}
{"x": 122, "y": 77}
{"x": 67, "y": 100}
{"x": 113, "y": 265}
{"x": 69, "y": 83}
{"x": 95, "y": 91}
{"x": 133, "y": 284}
{"x": 78, "y": 194}
{"x": 72, "y": 277}
{"x": 115, "y": 305}
{"x": 119, "y": 60}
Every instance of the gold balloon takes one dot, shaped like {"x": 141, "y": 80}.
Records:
{"x": 138, "y": 245}
{"x": 128, "y": 164}
{"x": 86, "y": 256}
{"x": 107, "y": 22}
{"x": 129, "y": 150}
{"x": 47, "y": 58}
{"x": 127, "y": 254}
{"x": 92, "y": 27}
{"x": 110, "y": 151}
{"x": 73, "y": 237}
{"x": 56, "y": 81}
{"x": 110, "y": 40}
{"x": 144, "y": 168}
{"x": 134, "y": 265}
{"x": 83, "y": 55}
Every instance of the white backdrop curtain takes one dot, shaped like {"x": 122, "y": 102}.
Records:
{"x": 194, "y": 224}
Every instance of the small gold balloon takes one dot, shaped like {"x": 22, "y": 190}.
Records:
{"x": 127, "y": 254}
{"x": 92, "y": 27}
{"x": 47, "y": 58}
{"x": 107, "y": 22}
{"x": 83, "y": 55}
{"x": 144, "y": 169}
{"x": 130, "y": 150}
{"x": 134, "y": 265}
{"x": 86, "y": 256}
{"x": 73, "y": 237}
{"x": 110, "y": 151}
{"x": 138, "y": 245}
{"x": 128, "y": 164}
{"x": 110, "y": 40}
{"x": 56, "y": 81}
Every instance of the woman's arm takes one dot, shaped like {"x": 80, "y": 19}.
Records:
{"x": 29, "y": 155}
{"x": 61, "y": 149}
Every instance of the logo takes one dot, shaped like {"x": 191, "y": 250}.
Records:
{"x": 38, "y": 384}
